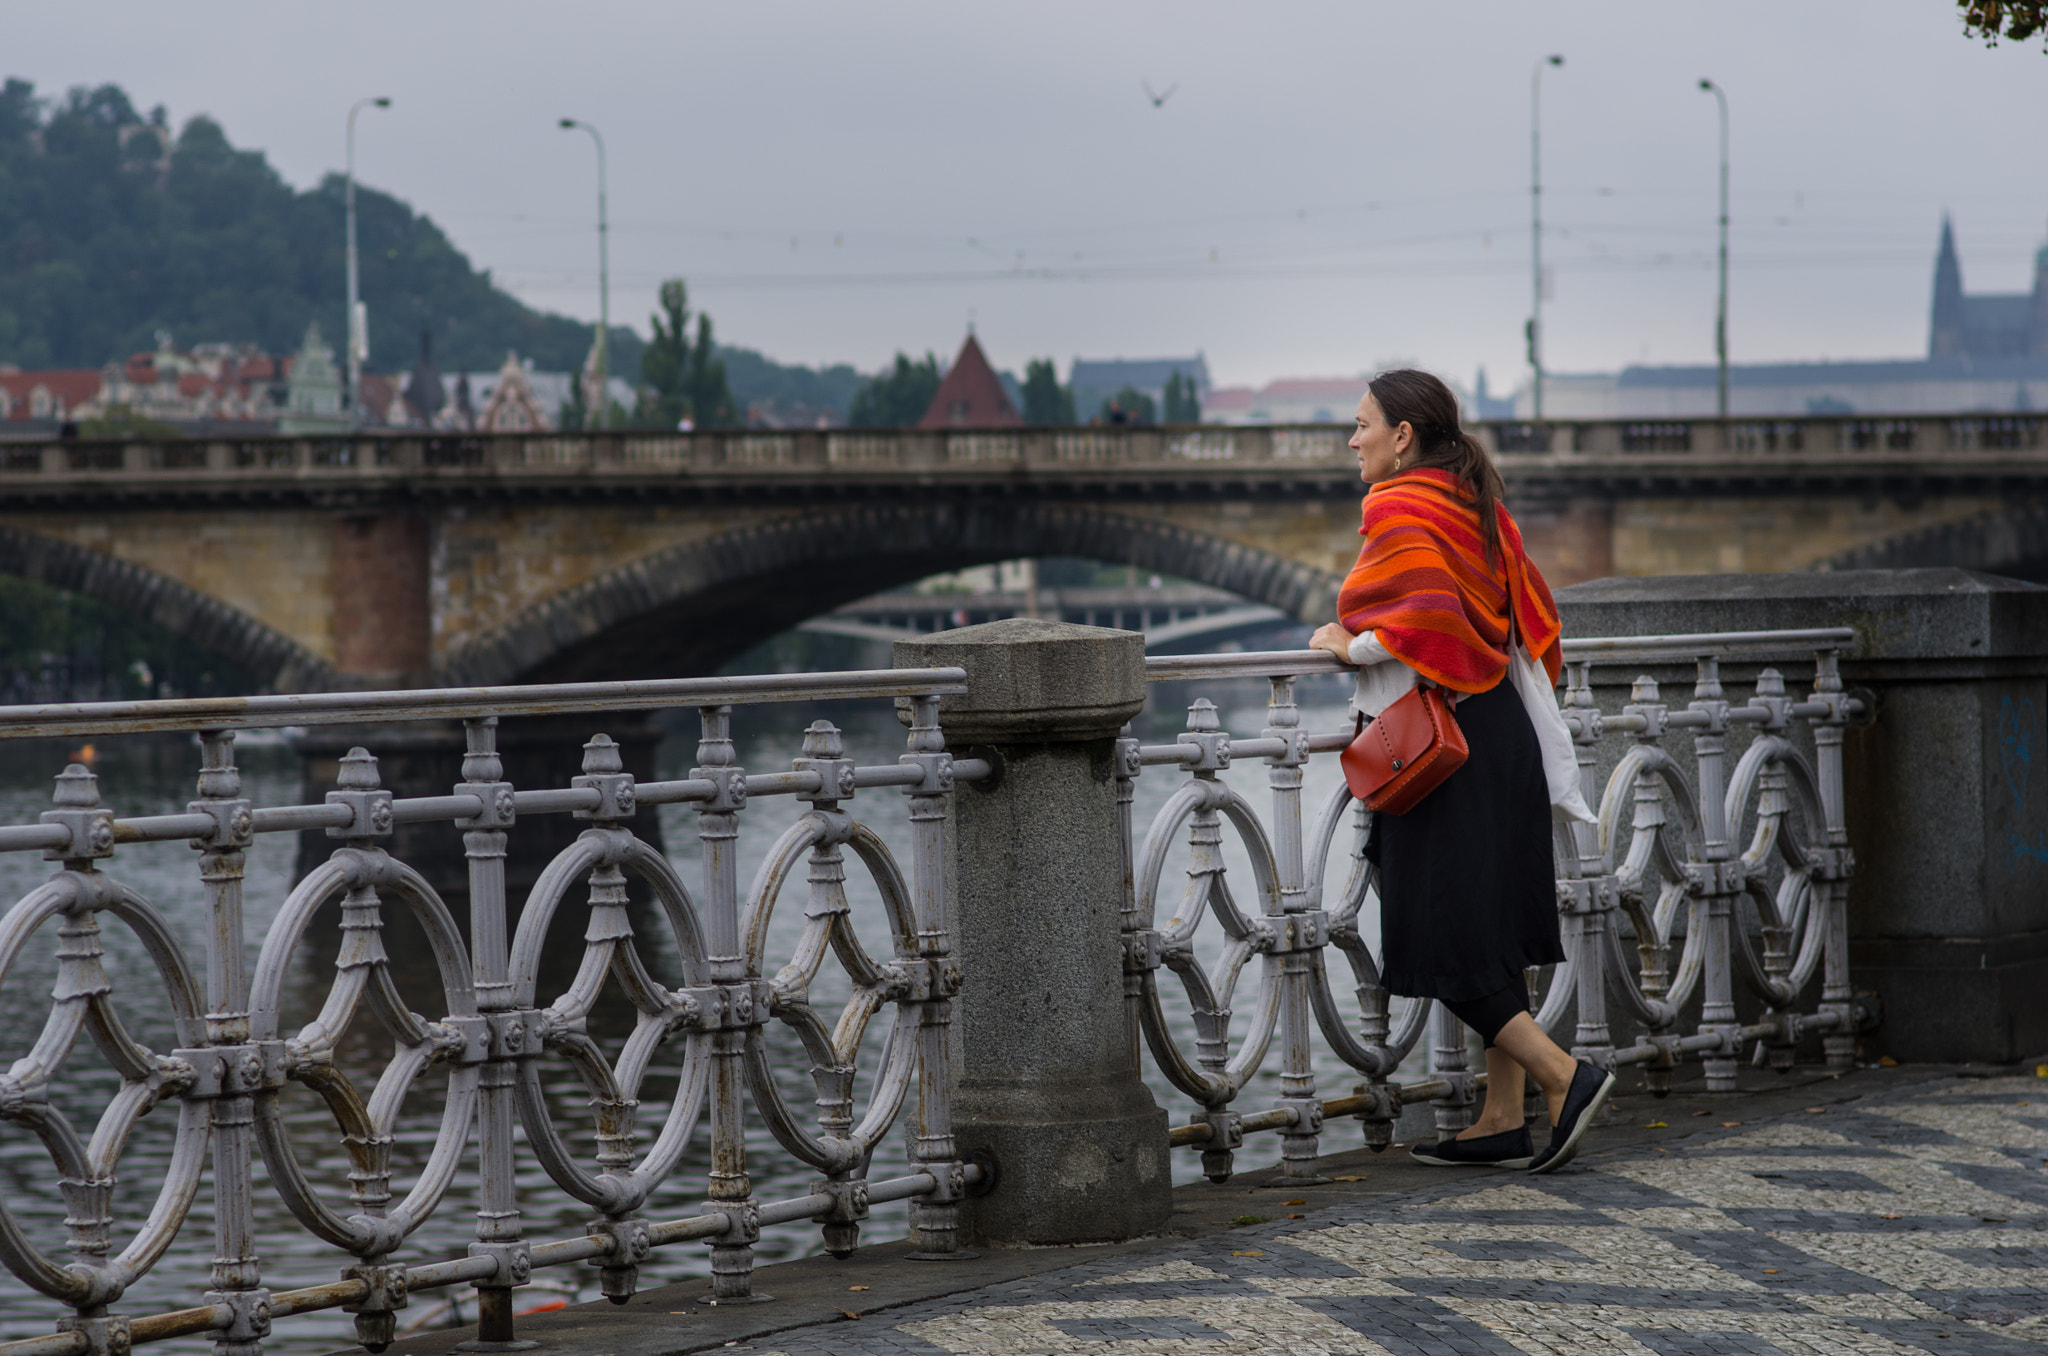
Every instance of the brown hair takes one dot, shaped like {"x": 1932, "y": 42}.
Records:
{"x": 1426, "y": 405}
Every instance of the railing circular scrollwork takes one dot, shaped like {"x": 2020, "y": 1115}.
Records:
{"x": 82, "y": 1008}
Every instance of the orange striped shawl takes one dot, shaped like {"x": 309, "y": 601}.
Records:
{"x": 1423, "y": 583}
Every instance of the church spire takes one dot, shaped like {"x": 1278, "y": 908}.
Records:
{"x": 1945, "y": 330}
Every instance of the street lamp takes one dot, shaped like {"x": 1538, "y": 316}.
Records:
{"x": 1536, "y": 230}
{"x": 604, "y": 282}
{"x": 357, "y": 323}
{"x": 1721, "y": 312}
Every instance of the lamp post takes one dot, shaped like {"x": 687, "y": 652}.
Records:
{"x": 1536, "y": 230}
{"x": 604, "y": 282}
{"x": 1721, "y": 310}
{"x": 355, "y": 322}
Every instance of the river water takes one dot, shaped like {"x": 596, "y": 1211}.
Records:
{"x": 139, "y": 777}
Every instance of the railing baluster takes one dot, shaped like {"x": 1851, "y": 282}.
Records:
{"x": 500, "y": 1230}
{"x": 237, "y": 1270}
{"x": 1298, "y": 933}
{"x": 732, "y": 1252}
{"x": 935, "y": 1218}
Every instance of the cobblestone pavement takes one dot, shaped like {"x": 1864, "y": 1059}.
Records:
{"x": 1915, "y": 1222}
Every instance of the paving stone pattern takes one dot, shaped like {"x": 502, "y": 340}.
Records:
{"x": 1913, "y": 1223}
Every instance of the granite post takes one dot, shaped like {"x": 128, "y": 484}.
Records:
{"x": 1047, "y": 1083}
{"x": 1948, "y": 908}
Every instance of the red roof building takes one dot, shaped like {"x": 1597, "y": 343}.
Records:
{"x": 51, "y": 394}
{"x": 971, "y": 396}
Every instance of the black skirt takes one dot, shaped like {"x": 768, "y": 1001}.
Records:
{"x": 1467, "y": 886}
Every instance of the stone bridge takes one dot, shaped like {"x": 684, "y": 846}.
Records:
{"x": 452, "y": 560}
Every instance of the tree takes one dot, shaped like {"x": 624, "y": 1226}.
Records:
{"x": 575, "y": 411}
{"x": 1129, "y": 406}
{"x": 1045, "y": 400}
{"x": 684, "y": 380}
{"x": 2014, "y": 20}
{"x": 898, "y": 397}
{"x": 711, "y": 402}
{"x": 1183, "y": 402}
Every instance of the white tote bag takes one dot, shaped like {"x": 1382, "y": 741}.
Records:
{"x": 1553, "y": 736}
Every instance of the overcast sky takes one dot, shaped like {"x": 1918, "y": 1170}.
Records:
{"x": 1328, "y": 187}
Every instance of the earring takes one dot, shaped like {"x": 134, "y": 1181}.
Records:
{"x": 1397, "y": 461}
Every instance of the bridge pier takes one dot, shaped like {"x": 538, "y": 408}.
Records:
{"x": 1049, "y": 1085}
{"x": 383, "y": 606}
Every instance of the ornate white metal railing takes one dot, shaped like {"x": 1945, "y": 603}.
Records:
{"x": 1665, "y": 856}
{"x": 235, "y": 1053}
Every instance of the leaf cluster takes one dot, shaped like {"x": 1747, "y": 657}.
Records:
{"x": 683, "y": 379}
{"x": 898, "y": 397}
{"x": 1045, "y": 400}
{"x": 1183, "y": 400}
{"x": 2013, "y": 20}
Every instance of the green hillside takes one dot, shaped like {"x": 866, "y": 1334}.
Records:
{"x": 112, "y": 228}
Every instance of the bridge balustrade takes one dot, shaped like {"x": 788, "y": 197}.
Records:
{"x": 724, "y": 454}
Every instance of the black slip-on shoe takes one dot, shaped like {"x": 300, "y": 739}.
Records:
{"x": 1582, "y": 1102}
{"x": 1508, "y": 1149}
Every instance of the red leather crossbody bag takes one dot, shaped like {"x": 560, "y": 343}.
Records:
{"x": 1406, "y": 753}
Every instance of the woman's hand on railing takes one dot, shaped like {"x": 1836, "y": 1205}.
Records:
{"x": 1334, "y": 638}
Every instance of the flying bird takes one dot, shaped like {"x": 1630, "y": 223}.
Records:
{"x": 1158, "y": 99}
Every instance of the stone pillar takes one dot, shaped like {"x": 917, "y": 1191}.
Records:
{"x": 1948, "y": 908}
{"x": 1047, "y": 1081}
{"x": 382, "y": 609}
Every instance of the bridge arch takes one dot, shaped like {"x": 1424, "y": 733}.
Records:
{"x": 2011, "y": 541}
{"x": 272, "y": 658}
{"x": 691, "y": 608}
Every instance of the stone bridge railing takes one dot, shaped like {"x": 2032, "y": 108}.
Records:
{"x": 1027, "y": 941}
{"x": 1967, "y": 441}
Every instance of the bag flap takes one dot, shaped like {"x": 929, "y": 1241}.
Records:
{"x": 1402, "y": 733}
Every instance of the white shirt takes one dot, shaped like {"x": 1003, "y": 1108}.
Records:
{"x": 1383, "y": 679}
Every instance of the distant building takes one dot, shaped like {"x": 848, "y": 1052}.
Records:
{"x": 36, "y": 404}
{"x": 1985, "y": 325}
{"x": 971, "y": 395}
{"x": 426, "y": 397}
{"x": 313, "y": 390}
{"x": 511, "y": 406}
{"x": 1986, "y": 354}
{"x": 212, "y": 388}
{"x": 549, "y": 390}
{"x": 1289, "y": 400}
{"x": 1097, "y": 380}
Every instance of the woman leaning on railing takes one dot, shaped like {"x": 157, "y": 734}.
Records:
{"x": 1444, "y": 594}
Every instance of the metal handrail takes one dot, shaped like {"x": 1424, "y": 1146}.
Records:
{"x": 461, "y": 703}
{"x": 1588, "y": 649}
